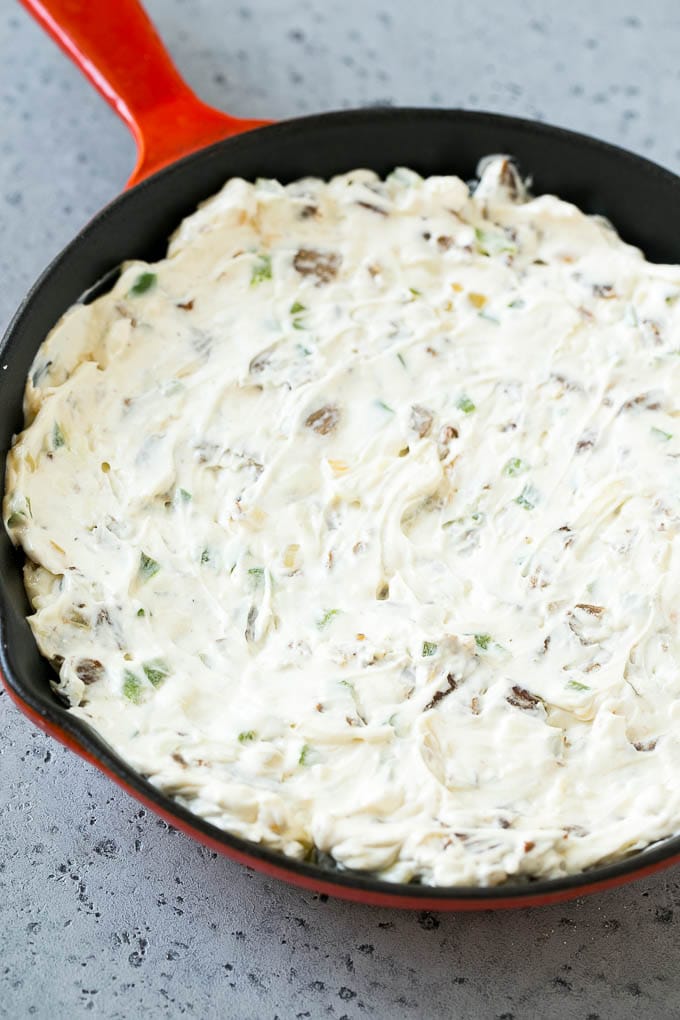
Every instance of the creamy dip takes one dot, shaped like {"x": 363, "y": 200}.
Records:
{"x": 352, "y": 524}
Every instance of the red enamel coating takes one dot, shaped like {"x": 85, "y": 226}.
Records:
{"x": 115, "y": 44}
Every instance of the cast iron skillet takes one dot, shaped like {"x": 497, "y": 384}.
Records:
{"x": 117, "y": 47}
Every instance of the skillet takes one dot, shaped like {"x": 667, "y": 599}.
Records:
{"x": 186, "y": 152}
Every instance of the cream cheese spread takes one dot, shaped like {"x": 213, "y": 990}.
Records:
{"x": 353, "y": 525}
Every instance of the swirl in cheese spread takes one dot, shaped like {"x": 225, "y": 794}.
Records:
{"x": 353, "y": 525}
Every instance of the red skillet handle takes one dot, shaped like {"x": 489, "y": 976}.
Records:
{"x": 115, "y": 44}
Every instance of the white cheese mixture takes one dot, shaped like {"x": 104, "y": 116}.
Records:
{"x": 353, "y": 525}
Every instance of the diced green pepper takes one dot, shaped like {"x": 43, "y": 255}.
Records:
{"x": 326, "y": 618}
{"x": 148, "y": 567}
{"x": 132, "y": 687}
{"x": 156, "y": 671}
{"x": 143, "y": 283}
{"x": 58, "y": 436}
{"x": 262, "y": 270}
{"x": 515, "y": 466}
{"x": 527, "y": 498}
{"x": 465, "y": 405}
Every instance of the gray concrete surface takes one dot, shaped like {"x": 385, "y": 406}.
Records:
{"x": 103, "y": 909}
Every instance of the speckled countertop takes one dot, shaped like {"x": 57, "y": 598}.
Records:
{"x": 103, "y": 908}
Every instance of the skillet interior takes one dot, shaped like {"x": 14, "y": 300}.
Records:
{"x": 640, "y": 198}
